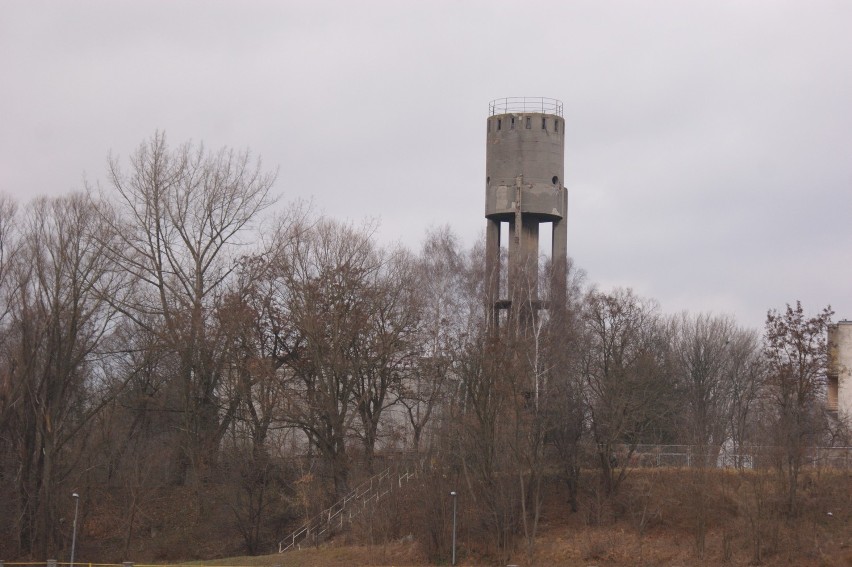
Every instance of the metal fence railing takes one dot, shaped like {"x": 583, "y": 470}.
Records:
{"x": 364, "y": 497}
{"x": 724, "y": 457}
{"x": 525, "y": 104}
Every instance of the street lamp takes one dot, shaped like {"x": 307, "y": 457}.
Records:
{"x": 74, "y": 530}
{"x": 454, "y": 495}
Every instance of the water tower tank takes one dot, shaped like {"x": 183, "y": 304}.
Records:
{"x": 524, "y": 187}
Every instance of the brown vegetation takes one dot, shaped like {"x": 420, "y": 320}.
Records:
{"x": 652, "y": 521}
{"x": 199, "y": 382}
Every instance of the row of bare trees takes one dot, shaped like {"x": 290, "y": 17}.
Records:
{"x": 585, "y": 388}
{"x": 169, "y": 331}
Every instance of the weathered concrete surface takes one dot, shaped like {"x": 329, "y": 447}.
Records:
{"x": 840, "y": 369}
{"x": 524, "y": 176}
{"x": 529, "y": 158}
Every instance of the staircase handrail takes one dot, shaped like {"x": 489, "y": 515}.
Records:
{"x": 320, "y": 523}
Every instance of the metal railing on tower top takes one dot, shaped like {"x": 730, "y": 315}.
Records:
{"x": 525, "y": 104}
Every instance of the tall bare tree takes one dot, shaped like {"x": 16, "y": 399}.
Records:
{"x": 711, "y": 363}
{"x": 251, "y": 382}
{"x": 796, "y": 352}
{"x": 747, "y": 374}
{"x": 387, "y": 351}
{"x": 565, "y": 409}
{"x": 439, "y": 274}
{"x": 10, "y": 392}
{"x": 628, "y": 387}
{"x": 182, "y": 215}
{"x": 254, "y": 320}
{"x": 60, "y": 321}
{"x": 703, "y": 365}
{"x": 326, "y": 282}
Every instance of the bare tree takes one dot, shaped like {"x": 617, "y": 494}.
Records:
{"x": 704, "y": 352}
{"x": 60, "y": 320}
{"x": 628, "y": 387}
{"x": 439, "y": 274}
{"x": 507, "y": 378}
{"x": 565, "y": 410}
{"x": 747, "y": 379}
{"x": 711, "y": 357}
{"x": 531, "y": 381}
{"x": 10, "y": 392}
{"x": 254, "y": 319}
{"x": 250, "y": 380}
{"x": 326, "y": 282}
{"x": 796, "y": 352}
{"x": 387, "y": 351}
{"x": 484, "y": 424}
{"x": 182, "y": 215}
{"x": 255, "y": 325}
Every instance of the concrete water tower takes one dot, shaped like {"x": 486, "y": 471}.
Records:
{"x": 524, "y": 176}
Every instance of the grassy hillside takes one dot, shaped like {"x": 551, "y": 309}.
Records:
{"x": 656, "y": 518}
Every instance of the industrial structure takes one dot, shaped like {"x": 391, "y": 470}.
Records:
{"x": 839, "y": 395}
{"x": 524, "y": 175}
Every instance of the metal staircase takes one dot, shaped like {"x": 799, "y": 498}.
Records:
{"x": 340, "y": 514}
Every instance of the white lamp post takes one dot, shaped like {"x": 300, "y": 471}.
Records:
{"x": 74, "y": 530}
{"x": 454, "y": 495}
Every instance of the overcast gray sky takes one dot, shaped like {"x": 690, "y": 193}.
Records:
{"x": 708, "y": 145}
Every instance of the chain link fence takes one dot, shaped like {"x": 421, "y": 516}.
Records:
{"x": 751, "y": 457}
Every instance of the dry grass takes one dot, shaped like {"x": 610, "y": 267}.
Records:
{"x": 396, "y": 553}
{"x": 650, "y": 522}
{"x": 653, "y": 522}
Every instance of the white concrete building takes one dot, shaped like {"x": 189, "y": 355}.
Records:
{"x": 839, "y": 396}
